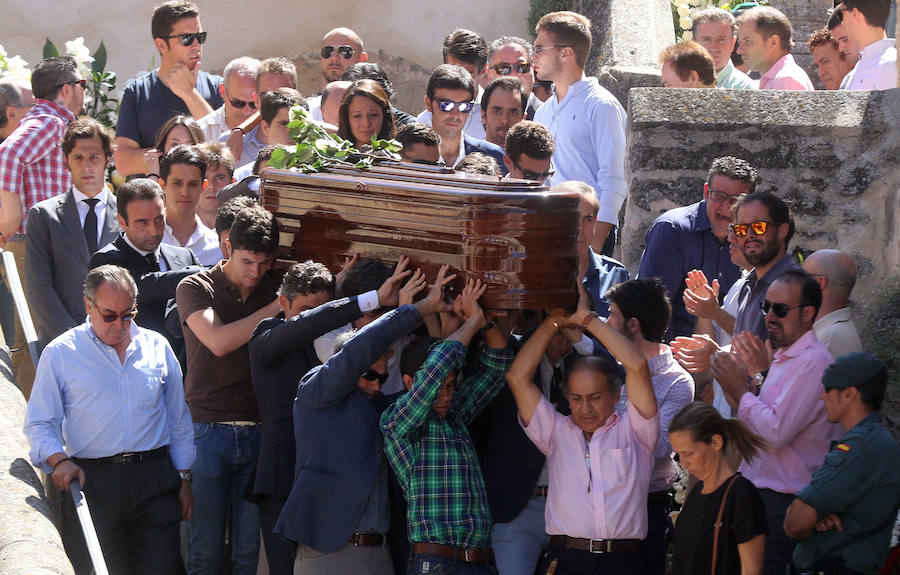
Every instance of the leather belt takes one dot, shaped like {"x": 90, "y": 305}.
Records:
{"x": 596, "y": 545}
{"x": 541, "y": 491}
{"x": 367, "y": 539}
{"x": 239, "y": 423}
{"x": 129, "y": 458}
{"x": 485, "y": 556}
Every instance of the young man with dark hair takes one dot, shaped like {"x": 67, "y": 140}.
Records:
{"x": 421, "y": 144}
{"x": 274, "y": 115}
{"x": 502, "y": 106}
{"x": 831, "y": 64}
{"x": 225, "y": 219}
{"x": 687, "y": 65}
{"x": 765, "y": 41}
{"x": 178, "y": 86}
{"x": 219, "y": 173}
{"x": 864, "y": 21}
{"x": 529, "y": 152}
{"x": 219, "y": 309}
{"x": 590, "y": 136}
{"x": 66, "y": 230}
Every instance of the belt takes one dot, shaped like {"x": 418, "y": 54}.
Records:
{"x": 541, "y": 491}
{"x": 129, "y": 458}
{"x": 239, "y": 423}
{"x": 367, "y": 539}
{"x": 485, "y": 556}
{"x": 659, "y": 498}
{"x": 596, "y": 545}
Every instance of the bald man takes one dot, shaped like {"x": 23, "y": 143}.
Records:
{"x": 836, "y": 273}
{"x": 335, "y": 57}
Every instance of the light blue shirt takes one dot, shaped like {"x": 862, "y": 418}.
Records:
{"x": 588, "y": 128}
{"x": 89, "y": 404}
{"x": 250, "y": 149}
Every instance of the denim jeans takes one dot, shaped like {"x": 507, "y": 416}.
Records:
{"x": 226, "y": 459}
{"x": 518, "y": 544}
{"x": 426, "y": 564}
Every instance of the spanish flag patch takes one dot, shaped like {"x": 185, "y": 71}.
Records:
{"x": 843, "y": 447}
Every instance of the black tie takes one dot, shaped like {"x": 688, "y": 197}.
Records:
{"x": 151, "y": 259}
{"x": 556, "y": 384}
{"x": 90, "y": 225}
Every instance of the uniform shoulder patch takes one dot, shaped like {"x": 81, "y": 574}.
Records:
{"x": 843, "y": 447}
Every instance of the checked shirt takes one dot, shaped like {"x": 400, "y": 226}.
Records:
{"x": 434, "y": 458}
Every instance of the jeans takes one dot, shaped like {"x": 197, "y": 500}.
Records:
{"x": 226, "y": 459}
{"x": 654, "y": 546}
{"x": 426, "y": 564}
{"x": 779, "y": 558}
{"x": 518, "y": 544}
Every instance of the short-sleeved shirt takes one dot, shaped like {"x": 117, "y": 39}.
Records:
{"x": 219, "y": 388}
{"x": 743, "y": 518}
{"x": 750, "y": 317}
{"x": 147, "y": 104}
{"x": 859, "y": 481}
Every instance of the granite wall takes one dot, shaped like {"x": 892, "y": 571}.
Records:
{"x": 832, "y": 154}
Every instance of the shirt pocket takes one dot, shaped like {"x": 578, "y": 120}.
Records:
{"x": 148, "y": 386}
{"x": 616, "y": 463}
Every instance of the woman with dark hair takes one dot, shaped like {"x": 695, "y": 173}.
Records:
{"x": 365, "y": 112}
{"x": 722, "y": 525}
{"x": 178, "y": 130}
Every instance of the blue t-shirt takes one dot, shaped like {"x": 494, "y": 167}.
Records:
{"x": 147, "y": 104}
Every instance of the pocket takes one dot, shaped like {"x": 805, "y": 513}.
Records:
{"x": 200, "y": 430}
{"x": 619, "y": 461}
{"x": 149, "y": 386}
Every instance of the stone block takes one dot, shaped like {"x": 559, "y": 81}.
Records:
{"x": 832, "y": 154}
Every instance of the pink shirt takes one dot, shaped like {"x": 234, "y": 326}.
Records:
{"x": 620, "y": 460}
{"x": 785, "y": 74}
{"x": 790, "y": 415}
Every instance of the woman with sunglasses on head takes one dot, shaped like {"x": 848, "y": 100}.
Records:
{"x": 365, "y": 112}
{"x": 722, "y": 524}
{"x": 177, "y": 131}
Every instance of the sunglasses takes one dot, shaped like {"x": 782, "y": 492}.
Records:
{"x": 126, "y": 316}
{"x": 505, "y": 69}
{"x": 740, "y": 230}
{"x": 82, "y": 83}
{"x": 780, "y": 309}
{"x": 372, "y": 375}
{"x": 536, "y": 176}
{"x": 188, "y": 39}
{"x": 722, "y": 197}
{"x": 345, "y": 51}
{"x": 239, "y": 104}
{"x": 448, "y": 105}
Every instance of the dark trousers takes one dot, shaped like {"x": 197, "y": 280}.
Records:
{"x": 279, "y": 550}
{"x": 779, "y": 558}
{"x": 653, "y": 548}
{"x": 425, "y": 564}
{"x": 136, "y": 514}
{"x": 559, "y": 561}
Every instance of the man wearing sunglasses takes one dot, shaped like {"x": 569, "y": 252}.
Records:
{"x": 529, "y": 152}
{"x": 108, "y": 410}
{"x": 784, "y": 406}
{"x": 238, "y": 89}
{"x": 178, "y": 86}
{"x": 341, "y": 48}
{"x": 511, "y": 56}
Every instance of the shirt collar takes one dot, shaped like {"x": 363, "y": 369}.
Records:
{"x": 701, "y": 220}
{"x": 874, "y": 50}
{"x": 137, "y": 249}
{"x": 198, "y": 232}
{"x": 796, "y": 348}
{"x": 786, "y": 262}
{"x": 726, "y": 71}
{"x": 661, "y": 361}
{"x": 837, "y": 316}
{"x": 42, "y": 106}
{"x": 80, "y": 196}
{"x": 777, "y": 66}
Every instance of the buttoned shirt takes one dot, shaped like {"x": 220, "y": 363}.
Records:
{"x": 750, "y": 317}
{"x": 598, "y": 487}
{"x": 161, "y": 260}
{"x": 31, "y": 161}
{"x": 790, "y": 415}
{"x": 249, "y": 149}
{"x": 588, "y": 128}
{"x": 90, "y": 404}
{"x": 602, "y": 273}
{"x": 837, "y": 332}
{"x": 876, "y": 68}
{"x": 213, "y": 124}
{"x": 99, "y": 208}
{"x": 204, "y": 242}
{"x": 434, "y": 458}
{"x": 673, "y": 388}
{"x": 730, "y": 78}
{"x": 785, "y": 74}
{"x": 473, "y": 126}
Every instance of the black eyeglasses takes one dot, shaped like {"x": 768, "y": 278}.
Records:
{"x": 535, "y": 176}
{"x": 82, "y": 83}
{"x": 188, "y": 39}
{"x": 125, "y": 316}
{"x": 505, "y": 69}
{"x": 780, "y": 309}
{"x": 448, "y": 105}
{"x": 372, "y": 375}
{"x": 239, "y": 104}
{"x": 345, "y": 51}
{"x": 722, "y": 197}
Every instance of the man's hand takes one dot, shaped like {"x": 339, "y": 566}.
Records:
{"x": 389, "y": 292}
{"x": 65, "y": 472}
{"x": 181, "y": 80}
{"x": 434, "y": 301}
{"x": 186, "y": 498}
{"x": 730, "y": 373}
{"x": 345, "y": 269}
{"x": 694, "y": 352}
{"x": 582, "y": 310}
{"x": 829, "y": 522}
{"x": 413, "y": 286}
{"x": 700, "y": 298}
{"x": 468, "y": 302}
{"x": 754, "y": 353}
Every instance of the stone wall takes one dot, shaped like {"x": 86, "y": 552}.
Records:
{"x": 832, "y": 154}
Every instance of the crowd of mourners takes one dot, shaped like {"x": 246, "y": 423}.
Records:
{"x": 363, "y": 421}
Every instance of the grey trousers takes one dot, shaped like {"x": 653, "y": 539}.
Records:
{"x": 349, "y": 559}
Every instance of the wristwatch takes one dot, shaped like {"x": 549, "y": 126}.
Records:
{"x": 185, "y": 475}
{"x": 756, "y": 383}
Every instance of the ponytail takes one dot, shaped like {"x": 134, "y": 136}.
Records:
{"x": 744, "y": 441}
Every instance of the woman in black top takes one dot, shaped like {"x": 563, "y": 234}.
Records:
{"x": 700, "y": 436}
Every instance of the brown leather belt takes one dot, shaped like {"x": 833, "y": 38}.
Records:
{"x": 129, "y": 458}
{"x": 541, "y": 491}
{"x": 367, "y": 539}
{"x": 596, "y": 545}
{"x": 485, "y": 556}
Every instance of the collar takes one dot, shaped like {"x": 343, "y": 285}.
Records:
{"x": 876, "y": 49}
{"x": 785, "y": 262}
{"x": 726, "y": 71}
{"x": 462, "y": 149}
{"x": 103, "y": 196}
{"x": 42, "y": 106}
{"x": 796, "y": 348}
{"x": 199, "y": 230}
{"x": 837, "y": 316}
{"x": 574, "y": 89}
{"x": 778, "y": 66}
{"x": 701, "y": 219}
{"x": 661, "y": 361}
{"x": 137, "y": 249}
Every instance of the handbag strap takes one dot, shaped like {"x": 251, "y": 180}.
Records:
{"x": 718, "y": 524}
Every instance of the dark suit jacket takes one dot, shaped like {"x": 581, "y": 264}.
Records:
{"x": 56, "y": 262}
{"x": 339, "y": 442}
{"x": 281, "y": 353}
{"x": 155, "y": 288}
{"x": 471, "y": 144}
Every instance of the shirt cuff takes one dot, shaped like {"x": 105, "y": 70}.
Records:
{"x": 368, "y": 301}
{"x": 584, "y": 347}
{"x": 746, "y": 402}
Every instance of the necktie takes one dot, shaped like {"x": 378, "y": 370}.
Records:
{"x": 90, "y": 225}
{"x": 153, "y": 261}
{"x": 556, "y": 383}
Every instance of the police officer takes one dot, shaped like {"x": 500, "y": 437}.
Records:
{"x": 844, "y": 516}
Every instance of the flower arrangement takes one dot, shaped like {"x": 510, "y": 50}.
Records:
{"x": 684, "y": 10}
{"x": 99, "y": 102}
{"x": 13, "y": 67}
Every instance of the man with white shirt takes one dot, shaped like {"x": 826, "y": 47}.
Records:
{"x": 587, "y": 122}
{"x": 64, "y": 231}
{"x": 765, "y": 42}
{"x": 238, "y": 88}
{"x": 836, "y": 273}
{"x": 864, "y": 21}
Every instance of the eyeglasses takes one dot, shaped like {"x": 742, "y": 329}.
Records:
{"x": 372, "y": 375}
{"x": 505, "y": 69}
{"x": 345, "y": 51}
{"x": 239, "y": 104}
{"x": 464, "y": 107}
{"x": 125, "y": 316}
{"x": 188, "y": 39}
{"x": 538, "y": 50}
{"x": 722, "y": 197}
{"x": 535, "y": 176}
{"x": 780, "y": 309}
{"x": 82, "y": 83}
{"x": 740, "y": 230}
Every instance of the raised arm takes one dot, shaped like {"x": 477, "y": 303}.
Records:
{"x": 521, "y": 373}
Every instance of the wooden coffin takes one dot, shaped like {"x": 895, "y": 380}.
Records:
{"x": 516, "y": 235}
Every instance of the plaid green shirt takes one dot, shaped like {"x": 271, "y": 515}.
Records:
{"x": 434, "y": 458}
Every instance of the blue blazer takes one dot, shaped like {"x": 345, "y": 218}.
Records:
{"x": 339, "y": 442}
{"x": 471, "y": 144}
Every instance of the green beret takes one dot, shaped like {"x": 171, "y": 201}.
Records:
{"x": 851, "y": 370}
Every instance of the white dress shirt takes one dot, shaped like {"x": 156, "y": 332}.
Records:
{"x": 162, "y": 262}
{"x": 213, "y": 124}
{"x": 99, "y": 208}
{"x": 204, "y": 242}
{"x": 876, "y": 68}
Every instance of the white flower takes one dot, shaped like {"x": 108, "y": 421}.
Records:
{"x": 3, "y": 53}
{"x": 686, "y": 36}
{"x": 16, "y": 68}
{"x": 695, "y": 3}
{"x": 82, "y": 55}
{"x": 683, "y": 10}
{"x": 685, "y": 22}
{"x": 681, "y": 2}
